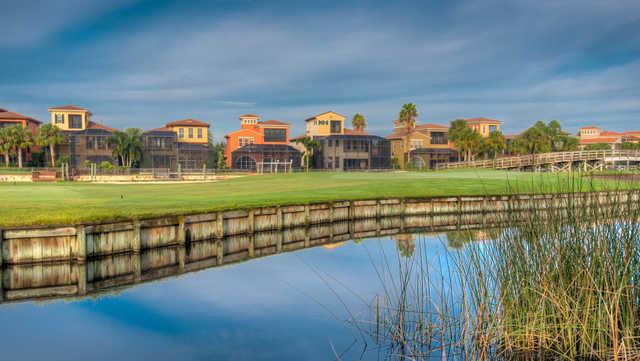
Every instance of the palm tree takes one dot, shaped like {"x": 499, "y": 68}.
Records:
{"x": 309, "y": 146}
{"x": 493, "y": 144}
{"x": 358, "y": 122}
{"x": 134, "y": 145}
{"x": 5, "y": 144}
{"x": 50, "y": 136}
{"x": 467, "y": 141}
{"x": 120, "y": 146}
{"x": 127, "y": 146}
{"x": 21, "y": 139}
{"x": 408, "y": 115}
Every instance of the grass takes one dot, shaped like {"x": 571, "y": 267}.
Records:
{"x": 557, "y": 283}
{"x": 25, "y": 204}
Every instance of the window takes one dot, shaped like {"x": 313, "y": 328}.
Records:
{"x": 493, "y": 128}
{"x": 415, "y": 143}
{"x": 439, "y": 138}
{"x": 337, "y": 143}
{"x": 199, "y": 133}
{"x": 242, "y": 141}
{"x": 101, "y": 142}
{"x": 191, "y": 133}
{"x": 330, "y": 143}
{"x": 59, "y": 118}
{"x": 181, "y": 133}
{"x": 336, "y": 126}
{"x": 91, "y": 143}
{"x": 337, "y": 163}
{"x": 75, "y": 121}
{"x": 275, "y": 135}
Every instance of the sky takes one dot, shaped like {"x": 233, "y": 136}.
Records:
{"x": 145, "y": 63}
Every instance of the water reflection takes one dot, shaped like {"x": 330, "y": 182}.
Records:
{"x": 102, "y": 275}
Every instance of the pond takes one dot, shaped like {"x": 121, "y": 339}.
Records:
{"x": 285, "y": 306}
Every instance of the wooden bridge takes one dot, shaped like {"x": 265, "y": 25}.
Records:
{"x": 586, "y": 160}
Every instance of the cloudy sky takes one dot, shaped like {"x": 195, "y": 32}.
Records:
{"x": 143, "y": 63}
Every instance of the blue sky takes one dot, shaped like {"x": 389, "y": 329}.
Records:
{"x": 144, "y": 63}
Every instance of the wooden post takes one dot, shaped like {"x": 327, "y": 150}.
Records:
{"x": 181, "y": 258}
{"x": 219, "y": 225}
{"x": 181, "y": 236}
{"x": 331, "y": 213}
{"x": 306, "y": 237}
{"x": 279, "y": 242}
{"x": 82, "y": 278}
{"x": 250, "y": 221}
{"x": 306, "y": 214}
{"x": 251, "y": 246}
{"x": 135, "y": 241}
{"x": 136, "y": 258}
{"x": 279, "y": 218}
{"x": 219, "y": 252}
{"x": 81, "y": 240}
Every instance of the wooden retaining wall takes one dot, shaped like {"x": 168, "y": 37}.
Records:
{"x": 83, "y": 242}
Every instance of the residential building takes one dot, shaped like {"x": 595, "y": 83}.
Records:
{"x": 345, "y": 149}
{"x": 8, "y": 119}
{"x": 160, "y": 149}
{"x": 260, "y": 145}
{"x": 423, "y": 146}
{"x": 596, "y": 135}
{"x": 484, "y": 126}
{"x": 192, "y": 142}
{"x": 84, "y": 138}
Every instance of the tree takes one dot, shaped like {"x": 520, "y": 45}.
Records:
{"x": 408, "y": 115}
{"x": 127, "y": 146}
{"x": 135, "y": 145}
{"x": 493, "y": 144}
{"x": 630, "y": 146}
{"x": 309, "y": 146}
{"x": 597, "y": 146}
{"x": 358, "y": 122}
{"x": 5, "y": 144}
{"x": 466, "y": 140}
{"x": 544, "y": 138}
{"x": 50, "y": 136}
{"x": 21, "y": 139}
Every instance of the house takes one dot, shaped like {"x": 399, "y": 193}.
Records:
{"x": 423, "y": 146}
{"x": 596, "y": 135}
{"x": 192, "y": 142}
{"x": 8, "y": 119}
{"x": 85, "y": 140}
{"x": 160, "y": 149}
{"x": 346, "y": 149}
{"x": 260, "y": 145}
{"x": 484, "y": 126}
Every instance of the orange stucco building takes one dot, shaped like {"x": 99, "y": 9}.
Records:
{"x": 253, "y": 131}
{"x": 484, "y": 126}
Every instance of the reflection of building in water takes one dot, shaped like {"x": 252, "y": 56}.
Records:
{"x": 334, "y": 245}
{"x": 457, "y": 239}
{"x": 406, "y": 244}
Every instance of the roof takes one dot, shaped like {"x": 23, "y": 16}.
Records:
{"x": 188, "y": 123}
{"x": 482, "y": 120}
{"x": 68, "y": 107}
{"x": 396, "y": 135}
{"x": 249, "y": 116}
{"x": 610, "y": 133}
{"x": 243, "y": 130}
{"x": 590, "y": 127}
{"x": 327, "y": 112}
{"x": 431, "y": 126}
{"x": 161, "y": 129}
{"x": 274, "y": 122}
{"x": 599, "y": 140}
{"x": 94, "y": 125}
{"x": 4, "y": 114}
{"x": 348, "y": 131}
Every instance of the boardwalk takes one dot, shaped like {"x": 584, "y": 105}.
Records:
{"x": 586, "y": 160}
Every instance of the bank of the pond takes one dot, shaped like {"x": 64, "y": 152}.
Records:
{"x": 76, "y": 203}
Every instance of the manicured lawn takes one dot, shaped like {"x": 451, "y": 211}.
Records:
{"x": 66, "y": 203}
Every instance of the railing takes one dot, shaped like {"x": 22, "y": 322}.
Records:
{"x": 541, "y": 159}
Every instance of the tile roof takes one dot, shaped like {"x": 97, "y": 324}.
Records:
{"x": 431, "y": 126}
{"x": 274, "y": 122}
{"x": 4, "y": 114}
{"x": 249, "y": 116}
{"x": 317, "y": 115}
{"x": 348, "y": 131}
{"x": 187, "y": 123}
{"x": 482, "y": 120}
{"x": 99, "y": 126}
{"x": 68, "y": 107}
{"x": 161, "y": 129}
{"x": 599, "y": 140}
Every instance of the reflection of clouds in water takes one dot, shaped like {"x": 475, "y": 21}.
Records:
{"x": 233, "y": 312}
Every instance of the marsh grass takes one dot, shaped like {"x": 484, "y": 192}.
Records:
{"x": 560, "y": 281}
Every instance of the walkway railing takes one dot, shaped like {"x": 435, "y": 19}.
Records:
{"x": 533, "y": 160}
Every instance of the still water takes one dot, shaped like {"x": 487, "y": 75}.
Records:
{"x": 286, "y": 306}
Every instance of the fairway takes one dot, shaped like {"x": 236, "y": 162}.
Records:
{"x": 23, "y": 204}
